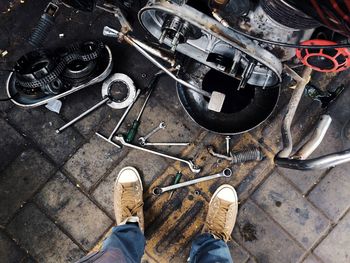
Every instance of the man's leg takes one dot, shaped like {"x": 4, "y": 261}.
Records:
{"x": 211, "y": 245}
{"x": 127, "y": 242}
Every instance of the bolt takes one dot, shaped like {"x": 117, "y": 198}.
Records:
{"x": 228, "y": 138}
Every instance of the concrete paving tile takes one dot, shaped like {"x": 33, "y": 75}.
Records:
{"x": 149, "y": 168}
{"x": 291, "y": 210}
{"x": 92, "y": 161}
{"x": 265, "y": 240}
{"x": 305, "y": 180}
{"x": 311, "y": 259}
{"x": 20, "y": 181}
{"x": 332, "y": 194}
{"x": 238, "y": 254}
{"x": 73, "y": 211}
{"x": 42, "y": 238}
{"x": 41, "y": 124}
{"x": 336, "y": 246}
{"x": 4, "y": 105}
{"x": 9, "y": 251}
{"x": 11, "y": 143}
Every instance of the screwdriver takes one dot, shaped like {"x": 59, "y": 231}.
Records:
{"x": 130, "y": 136}
{"x": 176, "y": 181}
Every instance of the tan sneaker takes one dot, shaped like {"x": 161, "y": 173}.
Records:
{"x": 222, "y": 213}
{"x": 128, "y": 199}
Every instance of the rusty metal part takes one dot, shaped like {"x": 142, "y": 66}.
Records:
{"x": 249, "y": 155}
{"x": 315, "y": 140}
{"x": 291, "y": 109}
{"x": 319, "y": 163}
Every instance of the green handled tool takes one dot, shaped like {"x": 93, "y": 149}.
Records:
{"x": 176, "y": 181}
{"x": 130, "y": 136}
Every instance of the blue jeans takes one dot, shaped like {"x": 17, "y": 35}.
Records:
{"x": 126, "y": 244}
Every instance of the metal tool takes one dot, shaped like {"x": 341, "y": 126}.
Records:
{"x": 190, "y": 163}
{"x": 102, "y": 102}
{"x": 176, "y": 181}
{"x": 227, "y": 172}
{"x": 228, "y": 139}
{"x": 116, "y": 128}
{"x": 166, "y": 144}
{"x": 136, "y": 124}
{"x": 111, "y": 97}
{"x": 143, "y": 140}
{"x": 254, "y": 154}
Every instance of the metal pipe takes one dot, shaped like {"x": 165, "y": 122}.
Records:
{"x": 291, "y": 109}
{"x": 315, "y": 140}
{"x": 104, "y": 101}
{"x": 110, "y": 32}
{"x": 319, "y": 163}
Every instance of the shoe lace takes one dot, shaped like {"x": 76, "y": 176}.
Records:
{"x": 218, "y": 227}
{"x": 130, "y": 207}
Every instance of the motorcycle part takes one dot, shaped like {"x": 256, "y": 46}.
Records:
{"x": 242, "y": 110}
{"x": 227, "y": 173}
{"x": 120, "y": 89}
{"x": 324, "y": 60}
{"x": 114, "y": 95}
{"x": 239, "y": 157}
{"x": 116, "y": 128}
{"x": 44, "y": 26}
{"x": 191, "y": 165}
{"x": 325, "y": 97}
{"x": 143, "y": 140}
{"x": 207, "y": 38}
{"x": 216, "y": 98}
{"x": 41, "y": 76}
{"x": 315, "y": 140}
{"x": 291, "y": 109}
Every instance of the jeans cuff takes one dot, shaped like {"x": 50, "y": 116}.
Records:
{"x": 131, "y": 219}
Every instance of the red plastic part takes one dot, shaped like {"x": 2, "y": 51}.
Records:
{"x": 337, "y": 59}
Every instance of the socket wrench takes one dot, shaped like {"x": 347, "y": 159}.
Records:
{"x": 227, "y": 172}
{"x": 190, "y": 163}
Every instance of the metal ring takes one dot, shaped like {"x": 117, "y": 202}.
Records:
{"x": 157, "y": 191}
{"x": 131, "y": 90}
{"x": 227, "y": 172}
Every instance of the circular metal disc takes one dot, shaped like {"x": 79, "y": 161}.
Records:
{"x": 123, "y": 84}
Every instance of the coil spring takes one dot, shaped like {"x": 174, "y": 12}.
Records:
{"x": 41, "y": 31}
{"x": 248, "y": 155}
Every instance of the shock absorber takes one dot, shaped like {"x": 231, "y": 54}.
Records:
{"x": 44, "y": 26}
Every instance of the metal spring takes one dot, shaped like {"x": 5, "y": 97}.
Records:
{"x": 247, "y": 155}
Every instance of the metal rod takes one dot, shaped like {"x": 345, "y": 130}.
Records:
{"x": 124, "y": 115}
{"x": 291, "y": 109}
{"x": 319, "y": 163}
{"x": 82, "y": 115}
{"x": 316, "y": 138}
{"x": 107, "y": 140}
{"x": 110, "y": 32}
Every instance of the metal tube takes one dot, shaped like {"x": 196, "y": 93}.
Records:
{"x": 291, "y": 109}
{"x": 319, "y": 163}
{"x": 110, "y": 32}
{"x": 315, "y": 140}
{"x": 82, "y": 115}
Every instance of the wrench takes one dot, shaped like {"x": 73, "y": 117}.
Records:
{"x": 227, "y": 172}
{"x": 190, "y": 163}
{"x": 166, "y": 143}
{"x": 143, "y": 139}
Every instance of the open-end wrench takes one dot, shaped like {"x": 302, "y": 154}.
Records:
{"x": 190, "y": 163}
{"x": 165, "y": 144}
{"x": 142, "y": 140}
{"x": 227, "y": 172}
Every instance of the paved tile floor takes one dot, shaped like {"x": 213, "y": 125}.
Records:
{"x": 56, "y": 190}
